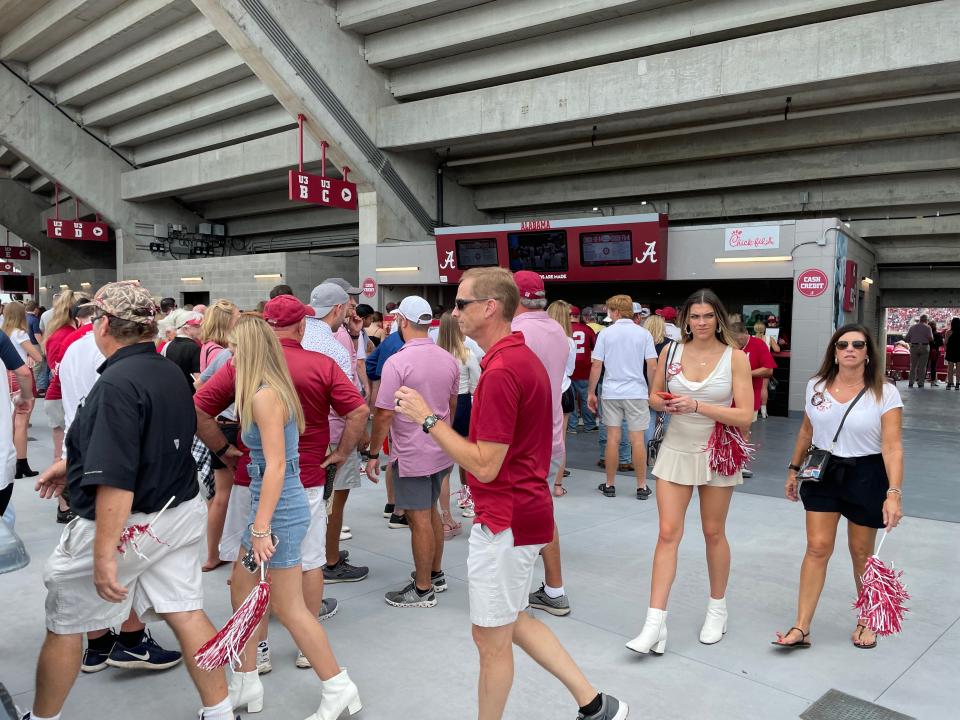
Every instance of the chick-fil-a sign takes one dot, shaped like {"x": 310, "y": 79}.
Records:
{"x": 752, "y": 238}
{"x": 812, "y": 283}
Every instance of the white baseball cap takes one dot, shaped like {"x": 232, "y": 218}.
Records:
{"x": 416, "y": 310}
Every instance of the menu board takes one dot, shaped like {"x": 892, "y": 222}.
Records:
{"x": 477, "y": 253}
{"x": 606, "y": 248}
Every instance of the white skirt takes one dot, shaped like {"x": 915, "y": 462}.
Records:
{"x": 683, "y": 457}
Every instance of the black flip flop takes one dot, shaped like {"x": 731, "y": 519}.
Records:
{"x": 857, "y": 645}
{"x": 793, "y": 646}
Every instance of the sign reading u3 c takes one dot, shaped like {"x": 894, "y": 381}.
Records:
{"x": 319, "y": 190}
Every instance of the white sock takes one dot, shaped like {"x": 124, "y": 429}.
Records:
{"x": 553, "y": 592}
{"x": 34, "y": 716}
{"x": 223, "y": 710}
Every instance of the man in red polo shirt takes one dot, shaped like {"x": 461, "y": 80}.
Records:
{"x": 320, "y": 385}
{"x": 762, "y": 366}
{"x": 507, "y": 459}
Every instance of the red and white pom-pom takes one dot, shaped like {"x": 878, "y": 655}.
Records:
{"x": 131, "y": 534}
{"x": 727, "y": 450}
{"x": 226, "y": 646}
{"x": 881, "y": 604}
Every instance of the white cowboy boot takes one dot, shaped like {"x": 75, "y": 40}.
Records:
{"x": 653, "y": 637}
{"x": 339, "y": 694}
{"x": 246, "y": 689}
{"x": 715, "y": 624}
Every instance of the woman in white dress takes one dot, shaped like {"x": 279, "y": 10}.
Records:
{"x": 697, "y": 381}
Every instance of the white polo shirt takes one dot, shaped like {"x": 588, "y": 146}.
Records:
{"x": 78, "y": 373}
{"x": 624, "y": 348}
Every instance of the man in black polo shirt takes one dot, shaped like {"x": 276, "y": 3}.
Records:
{"x": 127, "y": 458}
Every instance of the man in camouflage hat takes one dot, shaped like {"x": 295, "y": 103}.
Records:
{"x": 128, "y": 465}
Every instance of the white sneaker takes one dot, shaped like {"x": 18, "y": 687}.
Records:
{"x": 302, "y": 661}
{"x": 345, "y": 534}
{"x": 468, "y": 511}
{"x": 263, "y": 658}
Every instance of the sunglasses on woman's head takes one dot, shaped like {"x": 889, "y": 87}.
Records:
{"x": 857, "y": 344}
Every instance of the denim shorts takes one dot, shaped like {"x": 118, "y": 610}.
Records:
{"x": 291, "y": 517}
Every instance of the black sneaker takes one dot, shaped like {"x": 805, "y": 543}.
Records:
{"x": 608, "y": 490}
{"x": 746, "y": 472}
{"x": 610, "y": 709}
{"x": 148, "y": 655}
{"x": 439, "y": 580}
{"x": 388, "y": 510}
{"x": 344, "y": 572}
{"x": 95, "y": 660}
{"x": 644, "y": 492}
{"x": 397, "y": 522}
{"x": 409, "y": 596}
{"x": 328, "y": 608}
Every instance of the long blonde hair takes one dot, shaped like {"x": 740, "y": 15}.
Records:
{"x": 14, "y": 317}
{"x": 259, "y": 362}
{"x": 217, "y": 321}
{"x": 656, "y": 327}
{"x": 559, "y": 310}
{"x": 451, "y": 337}
{"x": 61, "y": 311}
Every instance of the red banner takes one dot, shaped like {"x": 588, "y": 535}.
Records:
{"x": 325, "y": 191}
{"x": 850, "y": 286}
{"x": 78, "y": 230}
{"x": 6, "y": 267}
{"x": 15, "y": 252}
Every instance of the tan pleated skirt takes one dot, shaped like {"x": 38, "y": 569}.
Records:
{"x": 683, "y": 455}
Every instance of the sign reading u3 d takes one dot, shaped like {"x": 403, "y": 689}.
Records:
{"x": 78, "y": 230}
{"x": 320, "y": 190}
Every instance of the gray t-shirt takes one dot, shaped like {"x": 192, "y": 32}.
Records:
{"x": 44, "y": 319}
{"x": 219, "y": 360}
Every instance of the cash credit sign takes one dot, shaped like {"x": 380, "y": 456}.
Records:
{"x": 78, "y": 230}
{"x": 320, "y": 190}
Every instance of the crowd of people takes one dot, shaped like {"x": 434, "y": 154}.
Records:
{"x": 188, "y": 438}
{"x": 899, "y": 320}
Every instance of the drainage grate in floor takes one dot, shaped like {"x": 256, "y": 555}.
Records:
{"x": 835, "y": 705}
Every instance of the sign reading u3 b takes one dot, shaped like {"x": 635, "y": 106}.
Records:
{"x": 319, "y": 190}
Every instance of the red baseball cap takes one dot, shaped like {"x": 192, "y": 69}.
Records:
{"x": 668, "y": 313}
{"x": 574, "y": 310}
{"x": 530, "y": 285}
{"x": 283, "y": 311}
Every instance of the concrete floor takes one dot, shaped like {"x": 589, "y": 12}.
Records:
{"x": 422, "y": 663}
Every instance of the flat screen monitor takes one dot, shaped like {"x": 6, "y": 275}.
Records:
{"x": 16, "y": 283}
{"x": 606, "y": 248}
{"x": 543, "y": 252}
{"x": 480, "y": 252}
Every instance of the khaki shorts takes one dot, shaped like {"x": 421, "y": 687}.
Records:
{"x": 53, "y": 409}
{"x": 499, "y": 575}
{"x": 166, "y": 580}
{"x": 348, "y": 474}
{"x": 635, "y": 412}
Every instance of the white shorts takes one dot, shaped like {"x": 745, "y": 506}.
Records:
{"x": 313, "y": 549}
{"x": 636, "y": 413}
{"x": 235, "y": 524}
{"x": 167, "y": 581}
{"x": 348, "y": 474}
{"x": 499, "y": 576}
{"x": 54, "y": 412}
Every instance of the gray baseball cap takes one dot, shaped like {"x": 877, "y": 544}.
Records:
{"x": 325, "y": 296}
{"x": 347, "y": 287}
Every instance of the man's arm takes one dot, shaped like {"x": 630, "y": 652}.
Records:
{"x": 382, "y": 419}
{"x": 596, "y": 366}
{"x": 113, "y": 509}
{"x": 651, "y": 367}
{"x": 762, "y": 372}
{"x": 216, "y": 395}
{"x": 356, "y": 424}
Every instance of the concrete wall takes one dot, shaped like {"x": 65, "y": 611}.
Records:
{"x": 88, "y": 280}
{"x": 233, "y": 276}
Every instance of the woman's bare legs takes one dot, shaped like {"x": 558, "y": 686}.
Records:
{"x": 672, "y": 503}
{"x": 217, "y": 515}
{"x": 861, "y": 540}
{"x": 714, "y": 504}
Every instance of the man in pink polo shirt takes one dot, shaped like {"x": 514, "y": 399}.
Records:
{"x": 507, "y": 458}
{"x": 543, "y": 335}
{"x": 419, "y": 463}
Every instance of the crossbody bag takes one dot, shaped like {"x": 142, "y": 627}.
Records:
{"x": 653, "y": 444}
{"x": 815, "y": 464}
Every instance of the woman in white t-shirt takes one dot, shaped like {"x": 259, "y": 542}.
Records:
{"x": 864, "y": 477}
{"x": 15, "y": 327}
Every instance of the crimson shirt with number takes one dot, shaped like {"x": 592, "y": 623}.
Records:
{"x": 760, "y": 357}
{"x": 585, "y": 339}
{"x": 512, "y": 406}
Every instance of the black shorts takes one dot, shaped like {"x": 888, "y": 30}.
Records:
{"x": 568, "y": 401}
{"x": 461, "y": 418}
{"x": 231, "y": 431}
{"x": 854, "y": 487}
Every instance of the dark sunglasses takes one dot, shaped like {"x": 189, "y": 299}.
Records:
{"x": 857, "y": 344}
{"x": 461, "y": 303}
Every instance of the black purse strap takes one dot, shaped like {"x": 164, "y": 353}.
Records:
{"x": 844, "y": 419}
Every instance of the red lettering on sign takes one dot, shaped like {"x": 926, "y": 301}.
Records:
{"x": 535, "y": 225}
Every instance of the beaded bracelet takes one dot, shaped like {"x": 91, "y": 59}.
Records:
{"x": 258, "y": 533}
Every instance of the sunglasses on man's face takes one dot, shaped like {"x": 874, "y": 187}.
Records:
{"x": 462, "y": 303}
{"x": 857, "y": 344}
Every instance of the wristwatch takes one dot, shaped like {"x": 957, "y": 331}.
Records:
{"x": 429, "y": 422}
{"x": 795, "y": 468}
{"x": 221, "y": 451}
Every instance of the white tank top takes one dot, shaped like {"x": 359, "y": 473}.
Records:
{"x": 717, "y": 389}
